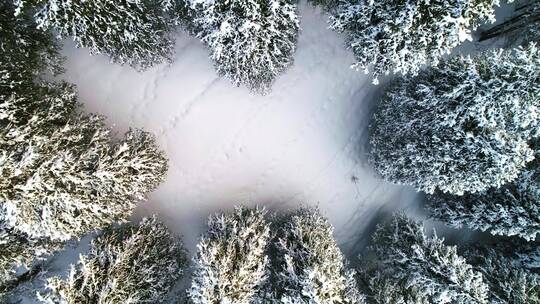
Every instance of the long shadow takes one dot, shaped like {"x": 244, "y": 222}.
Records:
{"x": 373, "y": 100}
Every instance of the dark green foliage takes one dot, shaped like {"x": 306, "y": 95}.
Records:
{"x": 463, "y": 126}
{"x": 133, "y": 32}
{"x": 25, "y": 51}
{"x": 511, "y": 210}
{"x": 509, "y": 281}
{"x": 129, "y": 264}
{"x": 411, "y": 267}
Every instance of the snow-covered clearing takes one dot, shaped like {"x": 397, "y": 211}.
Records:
{"x": 304, "y": 143}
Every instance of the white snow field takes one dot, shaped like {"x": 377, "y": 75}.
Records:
{"x": 304, "y": 143}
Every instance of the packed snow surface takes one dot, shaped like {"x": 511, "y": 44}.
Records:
{"x": 302, "y": 144}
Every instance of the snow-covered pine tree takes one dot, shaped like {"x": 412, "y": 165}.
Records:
{"x": 308, "y": 266}
{"x": 522, "y": 27}
{"x": 25, "y": 51}
{"x": 231, "y": 262}
{"x": 251, "y": 41}
{"x": 463, "y": 126}
{"x": 519, "y": 252}
{"x": 127, "y": 264}
{"x": 411, "y": 267}
{"x": 402, "y": 36}
{"x": 508, "y": 282}
{"x": 133, "y": 32}
{"x": 526, "y": 255}
{"x": 62, "y": 174}
{"x": 18, "y": 250}
{"x": 510, "y": 210}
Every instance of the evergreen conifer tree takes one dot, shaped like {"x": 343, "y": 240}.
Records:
{"x": 26, "y": 52}
{"x": 509, "y": 282}
{"x": 401, "y": 36}
{"x": 251, "y": 41}
{"x": 63, "y": 175}
{"x": 463, "y": 126}
{"x": 411, "y": 267}
{"x": 129, "y": 264}
{"x": 309, "y": 267}
{"x": 231, "y": 262}
{"x": 133, "y": 32}
{"x": 511, "y": 210}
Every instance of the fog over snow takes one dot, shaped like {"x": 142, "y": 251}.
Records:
{"x": 304, "y": 143}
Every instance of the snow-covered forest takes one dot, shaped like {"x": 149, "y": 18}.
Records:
{"x": 269, "y": 151}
